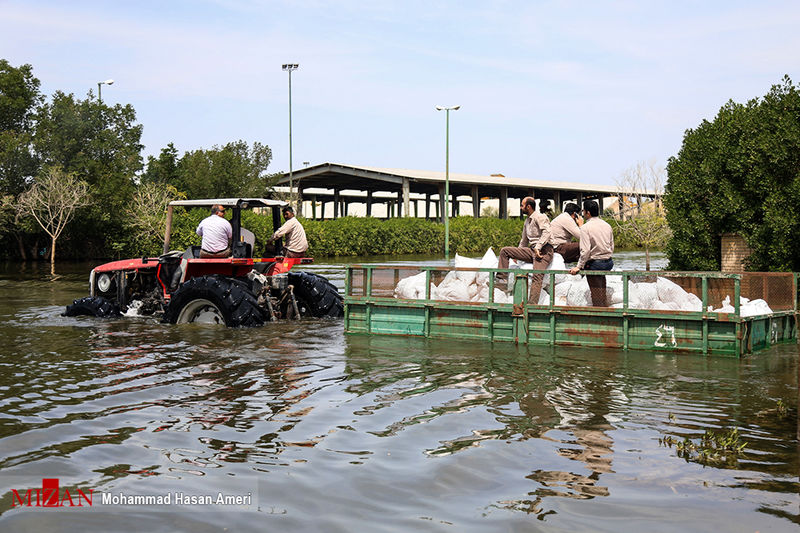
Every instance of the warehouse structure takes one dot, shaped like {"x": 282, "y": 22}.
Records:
{"x": 332, "y": 190}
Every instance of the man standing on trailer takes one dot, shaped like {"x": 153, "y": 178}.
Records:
{"x": 597, "y": 246}
{"x": 534, "y": 247}
{"x": 296, "y": 243}
{"x": 562, "y": 229}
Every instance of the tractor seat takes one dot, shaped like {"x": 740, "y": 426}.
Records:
{"x": 192, "y": 252}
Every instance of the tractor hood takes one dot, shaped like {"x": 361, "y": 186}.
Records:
{"x": 128, "y": 264}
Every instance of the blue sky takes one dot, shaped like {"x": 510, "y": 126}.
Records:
{"x": 574, "y": 91}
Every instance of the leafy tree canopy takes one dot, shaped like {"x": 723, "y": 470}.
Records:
{"x": 99, "y": 144}
{"x": 739, "y": 173}
{"x": 19, "y": 96}
{"x": 223, "y": 171}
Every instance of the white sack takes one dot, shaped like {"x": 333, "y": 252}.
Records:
{"x": 755, "y": 308}
{"x": 489, "y": 260}
{"x": 669, "y": 291}
{"x": 579, "y": 294}
{"x": 556, "y": 264}
{"x": 454, "y": 291}
{"x": 642, "y": 295}
{"x": 692, "y": 303}
{"x": 467, "y": 277}
{"x": 544, "y": 297}
{"x": 410, "y": 287}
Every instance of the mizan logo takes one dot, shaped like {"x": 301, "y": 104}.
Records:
{"x": 50, "y": 496}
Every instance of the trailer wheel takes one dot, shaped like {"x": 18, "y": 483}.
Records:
{"x": 93, "y": 306}
{"x": 214, "y": 300}
{"x": 316, "y": 296}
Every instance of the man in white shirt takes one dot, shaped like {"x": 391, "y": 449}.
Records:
{"x": 216, "y": 233}
{"x": 296, "y": 243}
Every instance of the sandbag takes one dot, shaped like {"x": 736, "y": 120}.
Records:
{"x": 468, "y": 276}
{"x": 642, "y": 295}
{"x": 489, "y": 260}
{"x": 579, "y": 294}
{"x": 410, "y": 288}
{"x": 454, "y": 291}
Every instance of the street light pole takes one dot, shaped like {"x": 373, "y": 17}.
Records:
{"x": 100, "y": 84}
{"x": 447, "y": 180}
{"x": 289, "y": 67}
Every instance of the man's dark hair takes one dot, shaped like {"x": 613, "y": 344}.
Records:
{"x": 571, "y": 208}
{"x": 216, "y": 209}
{"x": 530, "y": 201}
{"x": 591, "y": 206}
{"x": 287, "y": 209}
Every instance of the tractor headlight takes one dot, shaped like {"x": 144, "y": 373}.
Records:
{"x": 104, "y": 282}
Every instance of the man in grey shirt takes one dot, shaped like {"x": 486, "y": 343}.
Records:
{"x": 562, "y": 229}
{"x": 597, "y": 246}
{"x": 534, "y": 247}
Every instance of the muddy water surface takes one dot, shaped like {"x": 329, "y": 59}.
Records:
{"x": 317, "y": 431}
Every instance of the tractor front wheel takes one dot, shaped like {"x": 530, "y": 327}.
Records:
{"x": 214, "y": 300}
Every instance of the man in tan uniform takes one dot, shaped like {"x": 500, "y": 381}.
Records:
{"x": 534, "y": 246}
{"x": 562, "y": 229}
{"x": 296, "y": 243}
{"x": 597, "y": 246}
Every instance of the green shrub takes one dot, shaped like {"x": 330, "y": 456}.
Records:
{"x": 356, "y": 236}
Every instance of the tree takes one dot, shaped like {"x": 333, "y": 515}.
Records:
{"x": 230, "y": 170}
{"x": 52, "y": 201}
{"x": 642, "y": 187}
{"x": 739, "y": 173}
{"x": 163, "y": 170}
{"x": 147, "y": 215}
{"x": 101, "y": 145}
{"x": 19, "y": 96}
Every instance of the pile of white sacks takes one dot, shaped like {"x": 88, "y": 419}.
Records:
{"x": 471, "y": 286}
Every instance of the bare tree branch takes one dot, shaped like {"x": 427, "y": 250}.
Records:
{"x": 641, "y": 189}
{"x": 52, "y": 201}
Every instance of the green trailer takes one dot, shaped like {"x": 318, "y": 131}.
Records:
{"x": 372, "y": 307}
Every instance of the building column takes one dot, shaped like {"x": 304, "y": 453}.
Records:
{"x": 476, "y": 202}
{"x": 336, "y": 201}
{"x": 299, "y": 202}
{"x": 557, "y": 200}
{"x": 314, "y": 207}
{"x": 406, "y": 197}
{"x": 503, "y": 203}
{"x": 427, "y": 206}
{"x": 580, "y": 200}
{"x": 442, "y": 211}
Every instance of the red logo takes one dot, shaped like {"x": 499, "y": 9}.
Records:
{"x": 50, "y": 496}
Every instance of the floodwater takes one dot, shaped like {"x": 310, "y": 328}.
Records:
{"x": 318, "y": 431}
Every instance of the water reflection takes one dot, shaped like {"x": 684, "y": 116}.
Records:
{"x": 576, "y": 404}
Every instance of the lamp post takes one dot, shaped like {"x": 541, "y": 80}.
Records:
{"x": 289, "y": 67}
{"x": 99, "y": 85}
{"x": 447, "y": 180}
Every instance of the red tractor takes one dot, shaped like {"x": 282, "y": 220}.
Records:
{"x": 236, "y": 291}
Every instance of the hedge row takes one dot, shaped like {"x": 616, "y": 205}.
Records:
{"x": 356, "y": 236}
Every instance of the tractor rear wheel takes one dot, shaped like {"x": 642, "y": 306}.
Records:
{"x": 214, "y": 300}
{"x": 316, "y": 296}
